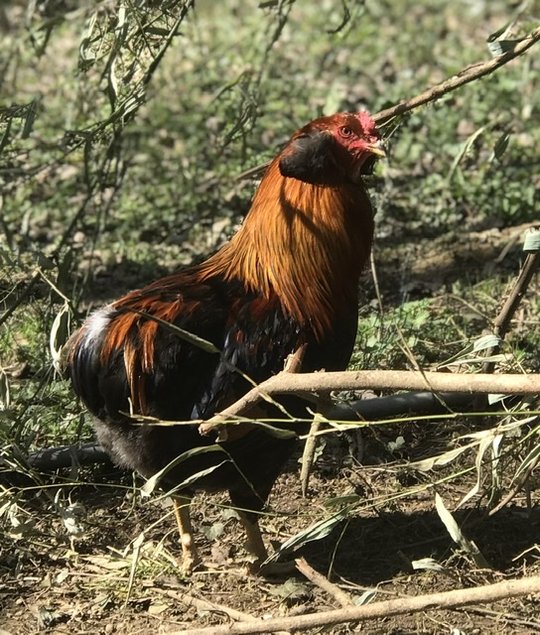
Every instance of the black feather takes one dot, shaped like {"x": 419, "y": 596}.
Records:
{"x": 310, "y": 158}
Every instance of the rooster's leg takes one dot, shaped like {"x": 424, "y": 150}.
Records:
{"x": 255, "y": 546}
{"x": 189, "y": 552}
{"x": 254, "y": 542}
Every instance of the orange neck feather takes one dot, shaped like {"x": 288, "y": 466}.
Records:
{"x": 305, "y": 243}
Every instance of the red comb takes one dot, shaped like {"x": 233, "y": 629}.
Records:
{"x": 367, "y": 122}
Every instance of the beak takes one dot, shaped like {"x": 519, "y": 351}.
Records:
{"x": 377, "y": 148}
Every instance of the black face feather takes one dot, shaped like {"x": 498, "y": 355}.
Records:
{"x": 311, "y": 158}
{"x": 368, "y": 165}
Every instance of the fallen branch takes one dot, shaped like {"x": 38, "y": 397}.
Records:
{"x": 407, "y": 403}
{"x": 323, "y": 583}
{"x": 286, "y": 383}
{"x": 68, "y": 456}
{"x": 465, "y": 76}
{"x": 385, "y": 609}
{"x": 202, "y": 604}
{"x": 404, "y": 403}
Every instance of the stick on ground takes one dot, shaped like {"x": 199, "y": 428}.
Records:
{"x": 202, "y": 604}
{"x": 519, "y": 288}
{"x": 323, "y": 583}
{"x": 400, "y": 606}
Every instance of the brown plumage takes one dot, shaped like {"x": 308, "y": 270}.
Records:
{"x": 287, "y": 278}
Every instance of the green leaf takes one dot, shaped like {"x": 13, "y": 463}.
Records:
{"x": 317, "y": 531}
{"x": 278, "y": 433}
{"x": 5, "y": 399}
{"x": 291, "y": 589}
{"x": 486, "y": 342}
{"x": 30, "y": 118}
{"x": 500, "y": 147}
{"x": 466, "y": 146}
{"x": 191, "y": 480}
{"x": 457, "y": 535}
{"x": 213, "y": 531}
{"x": 153, "y": 481}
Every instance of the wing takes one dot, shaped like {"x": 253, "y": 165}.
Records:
{"x": 126, "y": 359}
{"x": 259, "y": 336}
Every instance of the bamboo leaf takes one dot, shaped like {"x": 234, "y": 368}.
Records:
{"x": 485, "y": 443}
{"x": 441, "y": 459}
{"x": 500, "y": 147}
{"x": 317, "y": 531}
{"x": 531, "y": 459}
{"x": 486, "y": 341}
{"x": 365, "y": 598}
{"x": 153, "y": 481}
{"x": 427, "y": 564}
{"x": 85, "y": 52}
{"x": 466, "y": 146}
{"x": 457, "y": 535}
{"x": 532, "y": 240}
{"x": 59, "y": 335}
{"x": 5, "y": 399}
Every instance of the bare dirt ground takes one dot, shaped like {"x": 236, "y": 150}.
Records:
{"x": 58, "y": 588}
{"x": 113, "y": 578}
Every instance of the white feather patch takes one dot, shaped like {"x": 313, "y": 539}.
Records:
{"x": 96, "y": 324}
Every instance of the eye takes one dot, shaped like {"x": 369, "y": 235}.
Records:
{"x": 345, "y": 131}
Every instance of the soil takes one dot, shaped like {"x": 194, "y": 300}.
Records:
{"x": 113, "y": 578}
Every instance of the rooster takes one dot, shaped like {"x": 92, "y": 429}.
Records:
{"x": 287, "y": 279}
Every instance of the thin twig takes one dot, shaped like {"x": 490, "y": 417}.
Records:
{"x": 517, "y": 486}
{"x": 376, "y": 285}
{"x": 308, "y": 455}
{"x": 202, "y": 604}
{"x": 287, "y": 383}
{"x": 502, "y": 321}
{"x": 468, "y": 74}
{"x": 293, "y": 364}
{"x": 465, "y": 76}
{"x": 408, "y": 403}
{"x": 323, "y": 583}
{"x": 385, "y": 609}
{"x": 509, "y": 618}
